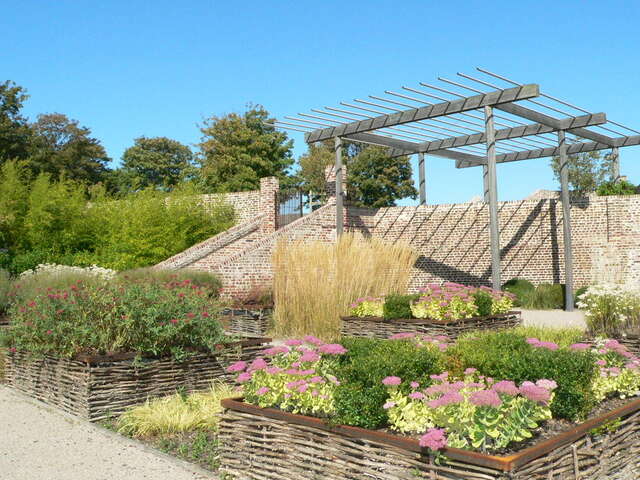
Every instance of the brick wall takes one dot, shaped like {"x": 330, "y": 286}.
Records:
{"x": 245, "y": 204}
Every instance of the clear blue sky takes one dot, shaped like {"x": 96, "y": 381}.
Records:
{"x": 133, "y": 68}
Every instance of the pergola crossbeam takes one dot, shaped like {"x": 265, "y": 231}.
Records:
{"x": 475, "y": 102}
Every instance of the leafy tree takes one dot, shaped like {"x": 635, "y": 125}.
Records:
{"x": 587, "y": 171}
{"x": 157, "y": 162}
{"x": 621, "y": 187}
{"x": 64, "y": 149}
{"x": 15, "y": 132}
{"x": 14, "y": 194}
{"x": 313, "y": 164}
{"x": 237, "y": 150}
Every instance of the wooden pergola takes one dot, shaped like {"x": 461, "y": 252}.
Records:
{"x": 458, "y": 121}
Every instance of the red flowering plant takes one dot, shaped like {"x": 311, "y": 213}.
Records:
{"x": 149, "y": 318}
{"x": 295, "y": 377}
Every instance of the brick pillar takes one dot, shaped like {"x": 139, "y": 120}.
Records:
{"x": 269, "y": 187}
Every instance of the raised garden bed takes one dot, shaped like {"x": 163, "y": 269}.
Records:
{"x": 267, "y": 443}
{"x": 97, "y": 387}
{"x": 379, "y": 327}
{"x": 248, "y": 320}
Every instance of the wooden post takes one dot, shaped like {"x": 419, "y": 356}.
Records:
{"x": 423, "y": 186}
{"x": 339, "y": 195}
{"x": 485, "y": 183}
{"x": 615, "y": 153}
{"x": 493, "y": 197}
{"x": 566, "y": 221}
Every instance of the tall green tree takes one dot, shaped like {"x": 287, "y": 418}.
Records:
{"x": 158, "y": 162}
{"x": 587, "y": 171}
{"x": 237, "y": 150}
{"x": 374, "y": 179}
{"x": 64, "y": 149}
{"x": 15, "y": 133}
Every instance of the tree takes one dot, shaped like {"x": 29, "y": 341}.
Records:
{"x": 373, "y": 178}
{"x": 15, "y": 132}
{"x": 158, "y": 162}
{"x": 587, "y": 171}
{"x": 64, "y": 149}
{"x": 237, "y": 150}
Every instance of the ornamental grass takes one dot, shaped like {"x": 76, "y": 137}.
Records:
{"x": 315, "y": 282}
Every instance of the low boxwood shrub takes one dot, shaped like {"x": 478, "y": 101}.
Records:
{"x": 507, "y": 355}
{"x": 360, "y": 397}
{"x": 521, "y": 288}
{"x": 483, "y": 301}
{"x": 398, "y": 306}
{"x": 149, "y": 318}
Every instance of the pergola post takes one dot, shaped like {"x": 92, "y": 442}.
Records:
{"x": 616, "y": 163}
{"x": 422, "y": 178}
{"x": 493, "y": 197}
{"x": 485, "y": 183}
{"x": 566, "y": 221}
{"x": 339, "y": 194}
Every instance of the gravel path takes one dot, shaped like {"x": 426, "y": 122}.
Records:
{"x": 41, "y": 443}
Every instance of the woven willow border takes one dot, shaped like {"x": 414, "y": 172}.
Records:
{"x": 98, "y": 390}
{"x": 375, "y": 327}
{"x": 263, "y": 444}
{"x": 247, "y": 322}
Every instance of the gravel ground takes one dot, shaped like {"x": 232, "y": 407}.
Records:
{"x": 41, "y": 443}
{"x": 554, "y": 318}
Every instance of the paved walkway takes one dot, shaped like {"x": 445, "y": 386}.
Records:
{"x": 41, "y": 443}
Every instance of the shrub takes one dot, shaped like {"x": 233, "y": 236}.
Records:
{"x": 507, "y": 355}
{"x": 5, "y": 288}
{"x": 360, "y": 398}
{"x": 483, "y": 302}
{"x": 620, "y": 187}
{"x": 451, "y": 301}
{"x": 315, "y": 282}
{"x": 398, "y": 306}
{"x": 207, "y": 281}
{"x": 564, "y": 337}
{"x": 147, "y": 318}
{"x": 176, "y": 413}
{"x": 521, "y": 288}
{"x": 610, "y": 309}
{"x": 546, "y": 296}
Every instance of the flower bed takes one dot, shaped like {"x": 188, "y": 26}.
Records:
{"x": 450, "y": 309}
{"x": 379, "y": 327}
{"x": 495, "y": 405}
{"x": 97, "y": 387}
{"x": 247, "y": 321}
{"x": 259, "y": 443}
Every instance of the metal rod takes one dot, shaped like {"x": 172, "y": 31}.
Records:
{"x": 339, "y": 196}
{"x": 566, "y": 221}
{"x": 421, "y": 175}
{"x": 493, "y": 198}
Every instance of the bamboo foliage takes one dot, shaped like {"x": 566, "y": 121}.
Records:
{"x": 315, "y": 282}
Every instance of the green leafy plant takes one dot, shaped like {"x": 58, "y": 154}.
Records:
{"x": 508, "y": 355}
{"x": 207, "y": 281}
{"x": 521, "y": 288}
{"x": 483, "y": 302}
{"x": 149, "y": 318}
{"x": 620, "y": 187}
{"x": 360, "y": 397}
{"x": 398, "y": 306}
{"x": 5, "y": 288}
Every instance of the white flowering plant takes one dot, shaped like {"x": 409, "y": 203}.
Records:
{"x": 61, "y": 270}
{"x": 610, "y": 309}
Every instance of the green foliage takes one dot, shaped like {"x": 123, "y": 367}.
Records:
{"x": 15, "y": 133}
{"x": 377, "y": 180}
{"x": 5, "y": 289}
{"x": 148, "y": 318}
{"x": 611, "y": 309}
{"x": 483, "y": 302}
{"x": 587, "y": 171}
{"x": 398, "y": 306}
{"x": 546, "y": 296}
{"x": 562, "y": 336}
{"x": 360, "y": 397}
{"x": 507, "y": 355}
{"x": 313, "y": 164}
{"x": 207, "y": 281}
{"x": 65, "y": 150}
{"x": 157, "y": 162}
{"x": 621, "y": 187}
{"x": 13, "y": 202}
{"x": 238, "y": 150}
{"x": 520, "y": 287}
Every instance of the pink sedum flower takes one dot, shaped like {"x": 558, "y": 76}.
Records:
{"x": 414, "y": 384}
{"x": 258, "y": 364}
{"x": 262, "y": 391}
{"x": 389, "y": 381}
{"x": 293, "y": 342}
{"x": 535, "y": 393}
{"x": 507, "y": 387}
{"x": 309, "y": 356}
{"x": 244, "y": 377}
{"x": 487, "y": 398}
{"x": 389, "y": 405}
{"x": 237, "y": 367}
{"x": 332, "y": 349}
{"x": 416, "y": 395}
{"x": 313, "y": 340}
{"x": 470, "y": 371}
{"x": 435, "y": 439}
{"x": 276, "y": 350}
{"x": 547, "y": 384}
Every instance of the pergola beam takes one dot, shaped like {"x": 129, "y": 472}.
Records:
{"x": 475, "y": 102}
{"x": 557, "y": 124}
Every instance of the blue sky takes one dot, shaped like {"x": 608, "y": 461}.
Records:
{"x": 127, "y": 69}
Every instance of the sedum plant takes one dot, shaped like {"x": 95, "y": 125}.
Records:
{"x": 447, "y": 303}
{"x": 475, "y": 412}
{"x": 367, "y": 307}
{"x": 295, "y": 378}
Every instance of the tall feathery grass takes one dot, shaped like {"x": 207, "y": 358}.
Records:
{"x": 314, "y": 282}
{"x": 177, "y": 413}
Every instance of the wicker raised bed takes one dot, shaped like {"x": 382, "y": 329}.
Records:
{"x": 378, "y": 327}
{"x": 95, "y": 388}
{"x": 252, "y": 321}
{"x": 265, "y": 443}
